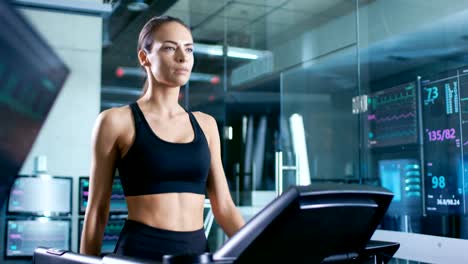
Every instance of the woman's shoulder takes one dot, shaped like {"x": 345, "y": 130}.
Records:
{"x": 206, "y": 120}
{"x": 115, "y": 118}
{"x": 207, "y": 124}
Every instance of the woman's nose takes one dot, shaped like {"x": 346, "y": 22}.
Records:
{"x": 181, "y": 56}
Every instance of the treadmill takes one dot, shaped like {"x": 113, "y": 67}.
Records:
{"x": 319, "y": 223}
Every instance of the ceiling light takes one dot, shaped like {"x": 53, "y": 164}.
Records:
{"x": 137, "y": 6}
{"x": 233, "y": 52}
{"x": 241, "y": 55}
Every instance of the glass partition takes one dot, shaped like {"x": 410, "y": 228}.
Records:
{"x": 412, "y": 66}
{"x": 319, "y": 132}
{"x": 412, "y": 72}
{"x": 276, "y": 140}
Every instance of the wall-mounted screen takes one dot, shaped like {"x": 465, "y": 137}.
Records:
{"x": 403, "y": 178}
{"x": 111, "y": 234}
{"x": 392, "y": 116}
{"x": 445, "y": 129}
{"x": 23, "y": 236}
{"x": 117, "y": 203}
{"x": 42, "y": 195}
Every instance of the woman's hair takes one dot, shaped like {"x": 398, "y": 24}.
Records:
{"x": 146, "y": 38}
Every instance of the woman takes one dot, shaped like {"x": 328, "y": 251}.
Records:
{"x": 167, "y": 158}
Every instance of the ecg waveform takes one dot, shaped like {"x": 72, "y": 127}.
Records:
{"x": 27, "y": 195}
{"x": 113, "y": 238}
{"x": 393, "y": 95}
{"x": 397, "y": 134}
{"x": 111, "y": 234}
{"x": 117, "y": 203}
{"x": 395, "y": 117}
{"x": 392, "y": 116}
{"x": 24, "y": 236}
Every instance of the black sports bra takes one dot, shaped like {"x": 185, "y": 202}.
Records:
{"x": 153, "y": 165}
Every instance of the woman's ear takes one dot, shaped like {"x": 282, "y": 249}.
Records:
{"x": 143, "y": 58}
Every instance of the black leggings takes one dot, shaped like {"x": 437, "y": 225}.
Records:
{"x": 142, "y": 241}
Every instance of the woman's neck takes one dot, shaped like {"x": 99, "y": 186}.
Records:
{"x": 162, "y": 100}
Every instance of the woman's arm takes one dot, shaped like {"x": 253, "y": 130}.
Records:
{"x": 224, "y": 209}
{"x": 104, "y": 156}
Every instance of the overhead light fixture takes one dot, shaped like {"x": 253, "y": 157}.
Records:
{"x": 137, "y": 6}
{"x": 241, "y": 55}
{"x": 42, "y": 219}
{"x": 233, "y": 52}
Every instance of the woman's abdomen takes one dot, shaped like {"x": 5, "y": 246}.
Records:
{"x": 170, "y": 211}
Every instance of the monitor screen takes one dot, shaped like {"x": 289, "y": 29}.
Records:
{"x": 392, "y": 116}
{"x": 445, "y": 129}
{"x": 31, "y": 76}
{"x": 44, "y": 196}
{"x": 306, "y": 223}
{"x": 111, "y": 234}
{"x": 23, "y": 236}
{"x": 117, "y": 203}
{"x": 403, "y": 178}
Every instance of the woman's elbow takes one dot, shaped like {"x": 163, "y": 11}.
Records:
{"x": 223, "y": 208}
{"x": 97, "y": 216}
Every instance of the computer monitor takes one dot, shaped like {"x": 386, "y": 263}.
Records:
{"x": 111, "y": 234}
{"x": 41, "y": 196}
{"x": 31, "y": 76}
{"x": 310, "y": 223}
{"x": 24, "y": 236}
{"x": 118, "y": 205}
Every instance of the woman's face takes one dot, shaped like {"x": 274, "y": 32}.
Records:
{"x": 171, "y": 58}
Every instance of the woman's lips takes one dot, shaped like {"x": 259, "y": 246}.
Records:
{"x": 181, "y": 71}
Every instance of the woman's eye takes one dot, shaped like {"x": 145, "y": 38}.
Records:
{"x": 190, "y": 50}
{"x": 169, "y": 48}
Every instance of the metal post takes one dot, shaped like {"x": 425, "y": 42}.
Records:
{"x": 298, "y": 172}
{"x": 279, "y": 167}
{"x": 237, "y": 189}
{"x": 278, "y": 171}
